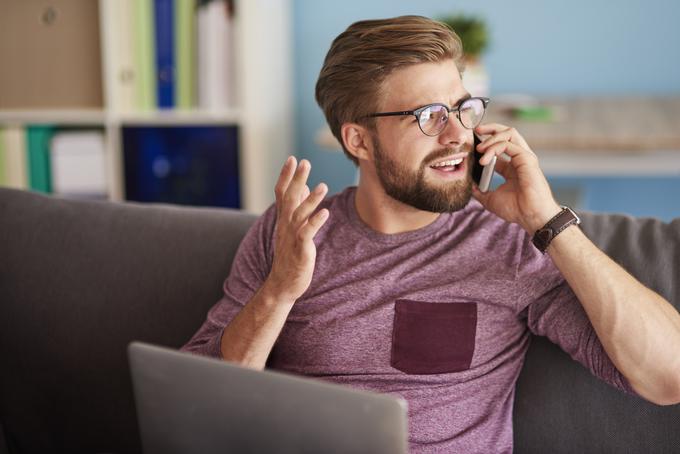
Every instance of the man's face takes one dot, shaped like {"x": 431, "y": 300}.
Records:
{"x": 408, "y": 163}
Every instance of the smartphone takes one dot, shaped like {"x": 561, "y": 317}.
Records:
{"x": 482, "y": 175}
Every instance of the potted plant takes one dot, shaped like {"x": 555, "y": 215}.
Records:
{"x": 474, "y": 34}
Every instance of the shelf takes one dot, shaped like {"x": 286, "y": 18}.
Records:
{"x": 263, "y": 87}
{"x": 88, "y": 117}
{"x": 661, "y": 163}
{"x": 178, "y": 117}
{"x": 99, "y": 117}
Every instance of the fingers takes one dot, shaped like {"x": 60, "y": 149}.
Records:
{"x": 296, "y": 189}
{"x": 308, "y": 206}
{"x": 491, "y": 128}
{"x": 311, "y": 227}
{"x": 503, "y": 168}
{"x": 498, "y": 133}
{"x": 294, "y": 201}
{"x": 503, "y": 139}
{"x": 282, "y": 183}
{"x": 516, "y": 153}
{"x": 303, "y": 194}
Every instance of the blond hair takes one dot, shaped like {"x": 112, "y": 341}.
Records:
{"x": 360, "y": 59}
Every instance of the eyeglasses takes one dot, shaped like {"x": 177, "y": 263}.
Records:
{"x": 433, "y": 118}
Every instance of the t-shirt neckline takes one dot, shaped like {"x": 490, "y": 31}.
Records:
{"x": 391, "y": 238}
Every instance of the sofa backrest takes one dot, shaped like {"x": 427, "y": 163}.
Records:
{"x": 79, "y": 280}
{"x": 559, "y": 406}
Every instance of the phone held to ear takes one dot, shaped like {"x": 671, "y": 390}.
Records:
{"x": 482, "y": 175}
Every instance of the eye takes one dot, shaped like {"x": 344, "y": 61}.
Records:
{"x": 425, "y": 115}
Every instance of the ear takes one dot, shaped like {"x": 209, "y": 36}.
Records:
{"x": 357, "y": 140}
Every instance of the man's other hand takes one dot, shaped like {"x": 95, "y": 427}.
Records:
{"x": 296, "y": 225}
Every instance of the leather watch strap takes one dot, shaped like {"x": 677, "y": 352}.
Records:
{"x": 553, "y": 227}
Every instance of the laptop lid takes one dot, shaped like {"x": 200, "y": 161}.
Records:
{"x": 189, "y": 404}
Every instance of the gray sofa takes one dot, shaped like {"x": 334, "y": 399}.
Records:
{"x": 79, "y": 280}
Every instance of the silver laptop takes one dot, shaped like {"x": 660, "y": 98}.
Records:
{"x": 191, "y": 404}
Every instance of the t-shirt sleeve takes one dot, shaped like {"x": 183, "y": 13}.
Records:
{"x": 556, "y": 313}
{"x": 249, "y": 269}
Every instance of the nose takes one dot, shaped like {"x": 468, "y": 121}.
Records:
{"x": 454, "y": 133}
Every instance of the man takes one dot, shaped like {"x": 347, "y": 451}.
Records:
{"x": 406, "y": 284}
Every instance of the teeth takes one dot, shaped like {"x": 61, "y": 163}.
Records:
{"x": 453, "y": 162}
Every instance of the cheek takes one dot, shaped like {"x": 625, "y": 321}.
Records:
{"x": 406, "y": 145}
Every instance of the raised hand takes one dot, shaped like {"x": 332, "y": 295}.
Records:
{"x": 296, "y": 226}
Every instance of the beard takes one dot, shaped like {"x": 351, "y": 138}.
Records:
{"x": 409, "y": 187}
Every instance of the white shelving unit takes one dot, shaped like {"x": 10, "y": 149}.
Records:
{"x": 263, "y": 113}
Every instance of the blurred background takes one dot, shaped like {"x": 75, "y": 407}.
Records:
{"x": 200, "y": 101}
{"x": 572, "y": 52}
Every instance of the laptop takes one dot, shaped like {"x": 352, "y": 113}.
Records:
{"x": 192, "y": 404}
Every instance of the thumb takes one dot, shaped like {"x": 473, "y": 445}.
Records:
{"x": 482, "y": 197}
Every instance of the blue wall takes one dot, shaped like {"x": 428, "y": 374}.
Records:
{"x": 558, "y": 48}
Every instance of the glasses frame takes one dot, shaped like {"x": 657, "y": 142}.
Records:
{"x": 416, "y": 113}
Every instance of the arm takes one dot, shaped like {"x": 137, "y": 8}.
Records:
{"x": 251, "y": 335}
{"x": 639, "y": 330}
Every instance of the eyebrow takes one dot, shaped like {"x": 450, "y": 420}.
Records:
{"x": 466, "y": 96}
{"x": 463, "y": 98}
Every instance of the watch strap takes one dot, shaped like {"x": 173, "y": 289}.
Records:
{"x": 544, "y": 236}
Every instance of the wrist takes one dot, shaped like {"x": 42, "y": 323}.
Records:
{"x": 540, "y": 217}
{"x": 272, "y": 293}
{"x": 564, "y": 219}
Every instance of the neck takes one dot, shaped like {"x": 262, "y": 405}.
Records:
{"x": 383, "y": 213}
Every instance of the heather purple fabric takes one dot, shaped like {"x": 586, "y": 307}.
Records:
{"x": 440, "y": 316}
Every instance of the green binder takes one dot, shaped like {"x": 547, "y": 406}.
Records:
{"x": 3, "y": 159}
{"x": 145, "y": 54}
{"x": 38, "y": 149}
{"x": 185, "y": 12}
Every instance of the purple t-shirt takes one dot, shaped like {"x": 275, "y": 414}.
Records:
{"x": 440, "y": 316}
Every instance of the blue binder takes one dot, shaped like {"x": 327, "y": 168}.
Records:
{"x": 186, "y": 165}
{"x": 165, "y": 49}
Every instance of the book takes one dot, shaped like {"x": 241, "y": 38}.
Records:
{"x": 3, "y": 164}
{"x": 187, "y": 165}
{"x": 38, "y": 152}
{"x": 50, "y": 55}
{"x": 215, "y": 55}
{"x": 145, "y": 54}
{"x": 16, "y": 167}
{"x": 185, "y": 53}
{"x": 165, "y": 53}
{"x": 78, "y": 164}
{"x": 117, "y": 21}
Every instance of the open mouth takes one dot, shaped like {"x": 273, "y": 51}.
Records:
{"x": 449, "y": 167}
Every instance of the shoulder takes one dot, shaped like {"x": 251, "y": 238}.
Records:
{"x": 506, "y": 242}
{"x": 488, "y": 228}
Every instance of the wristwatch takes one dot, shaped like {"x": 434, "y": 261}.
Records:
{"x": 553, "y": 227}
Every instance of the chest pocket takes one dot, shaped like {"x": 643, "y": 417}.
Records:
{"x": 433, "y": 338}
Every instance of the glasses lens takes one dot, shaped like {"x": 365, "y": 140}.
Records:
{"x": 433, "y": 119}
{"x": 471, "y": 112}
